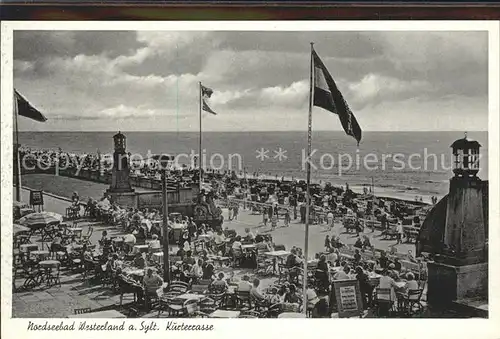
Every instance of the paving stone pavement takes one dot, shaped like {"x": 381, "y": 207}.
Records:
{"x": 60, "y": 301}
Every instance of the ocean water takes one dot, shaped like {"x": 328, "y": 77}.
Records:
{"x": 412, "y": 163}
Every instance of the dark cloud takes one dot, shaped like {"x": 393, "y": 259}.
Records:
{"x": 92, "y": 76}
{"x": 36, "y": 45}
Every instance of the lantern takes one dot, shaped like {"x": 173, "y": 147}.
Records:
{"x": 465, "y": 157}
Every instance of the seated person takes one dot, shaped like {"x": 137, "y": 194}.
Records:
{"x": 262, "y": 246}
{"x": 219, "y": 285}
{"x": 208, "y": 270}
{"x": 411, "y": 284}
{"x": 249, "y": 236}
{"x": 220, "y": 242}
{"x": 332, "y": 257}
{"x": 255, "y": 291}
{"x": 139, "y": 261}
{"x": 244, "y": 285}
{"x": 311, "y": 297}
{"x": 343, "y": 274}
{"x": 387, "y": 282}
{"x": 196, "y": 272}
{"x": 237, "y": 247}
{"x": 292, "y": 260}
{"x": 129, "y": 241}
{"x": 189, "y": 260}
{"x": 291, "y": 295}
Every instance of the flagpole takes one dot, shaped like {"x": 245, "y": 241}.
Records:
{"x": 199, "y": 153}
{"x": 18, "y": 160}
{"x": 308, "y": 181}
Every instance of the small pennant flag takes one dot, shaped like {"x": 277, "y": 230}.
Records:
{"x": 206, "y": 93}
{"x": 24, "y": 108}
{"x": 328, "y": 96}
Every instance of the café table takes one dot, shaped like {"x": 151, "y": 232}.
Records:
{"x": 140, "y": 249}
{"x": 40, "y": 255}
{"x": 224, "y": 314}
{"x": 191, "y": 296}
{"x": 28, "y": 247}
{"x": 113, "y": 314}
{"x": 291, "y": 315}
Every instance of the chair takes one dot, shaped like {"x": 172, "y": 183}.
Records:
{"x": 53, "y": 276}
{"x": 283, "y": 273}
{"x": 83, "y": 310}
{"x": 127, "y": 286}
{"x": 207, "y": 305}
{"x": 33, "y": 276}
{"x": 243, "y": 297}
{"x": 384, "y": 301}
{"x": 414, "y": 299}
{"x": 86, "y": 237}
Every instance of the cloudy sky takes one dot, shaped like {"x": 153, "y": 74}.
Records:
{"x": 148, "y": 81}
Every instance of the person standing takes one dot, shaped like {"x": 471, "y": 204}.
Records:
{"x": 399, "y": 230}
{"x": 287, "y": 218}
{"x": 329, "y": 218}
{"x": 235, "y": 211}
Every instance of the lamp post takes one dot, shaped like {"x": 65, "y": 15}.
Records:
{"x": 164, "y": 162}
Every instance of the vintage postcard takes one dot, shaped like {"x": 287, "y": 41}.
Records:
{"x": 161, "y": 177}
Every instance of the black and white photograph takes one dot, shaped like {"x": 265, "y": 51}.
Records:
{"x": 260, "y": 173}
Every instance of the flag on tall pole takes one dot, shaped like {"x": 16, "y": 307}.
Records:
{"x": 323, "y": 92}
{"x": 22, "y": 108}
{"x": 327, "y": 96}
{"x": 205, "y": 93}
{"x": 25, "y": 109}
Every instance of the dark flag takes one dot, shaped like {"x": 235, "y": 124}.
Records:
{"x": 328, "y": 96}
{"x": 206, "y": 93}
{"x": 25, "y": 109}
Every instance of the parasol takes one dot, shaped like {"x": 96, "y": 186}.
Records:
{"x": 19, "y": 228}
{"x": 40, "y": 219}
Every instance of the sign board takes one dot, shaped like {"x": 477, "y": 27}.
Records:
{"x": 348, "y": 295}
{"x": 36, "y": 198}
